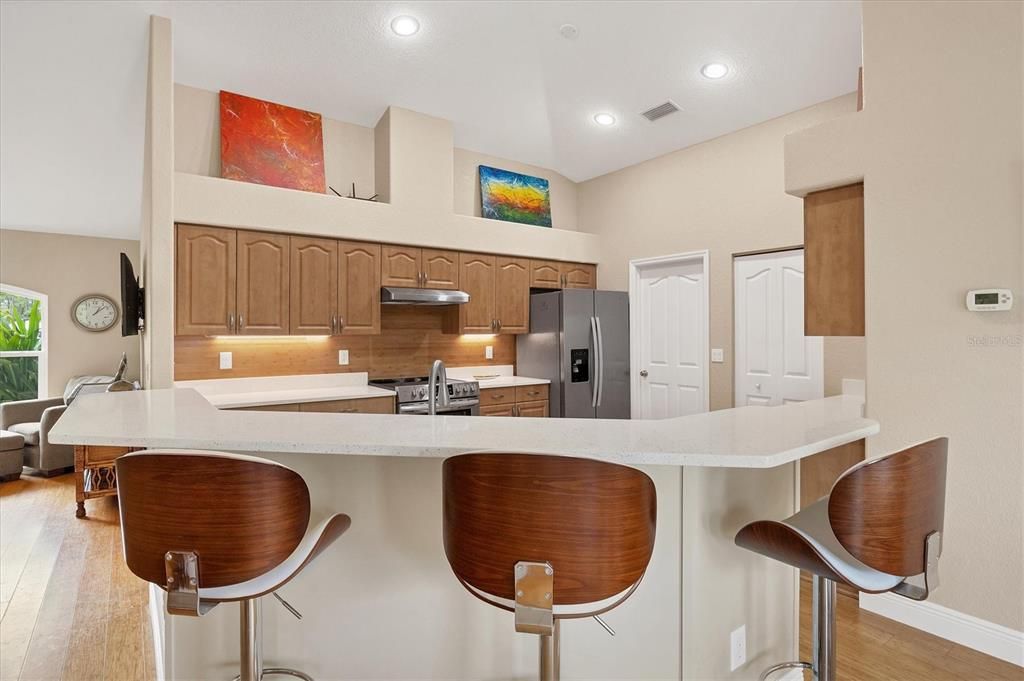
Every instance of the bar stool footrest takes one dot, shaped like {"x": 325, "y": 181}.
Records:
{"x": 783, "y": 665}
{"x": 281, "y": 671}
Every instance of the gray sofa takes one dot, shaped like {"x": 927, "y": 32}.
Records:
{"x": 32, "y": 419}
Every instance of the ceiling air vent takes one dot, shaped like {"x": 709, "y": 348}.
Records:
{"x": 660, "y": 111}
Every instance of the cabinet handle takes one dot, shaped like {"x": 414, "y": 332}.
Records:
{"x": 515, "y": 410}
{"x": 231, "y": 321}
{"x": 499, "y": 326}
{"x": 334, "y": 323}
{"x": 341, "y": 324}
{"x": 241, "y": 322}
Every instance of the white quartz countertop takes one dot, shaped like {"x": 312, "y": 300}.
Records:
{"x": 262, "y": 391}
{"x": 272, "y": 397}
{"x": 504, "y": 376}
{"x": 746, "y": 437}
{"x": 509, "y": 381}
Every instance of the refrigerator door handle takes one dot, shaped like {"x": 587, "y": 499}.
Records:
{"x": 600, "y": 361}
{"x": 594, "y": 383}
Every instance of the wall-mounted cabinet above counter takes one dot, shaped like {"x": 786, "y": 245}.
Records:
{"x": 240, "y": 282}
{"x": 834, "y": 262}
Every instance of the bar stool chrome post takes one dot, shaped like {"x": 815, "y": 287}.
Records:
{"x": 878, "y": 530}
{"x": 528, "y": 512}
{"x": 259, "y": 542}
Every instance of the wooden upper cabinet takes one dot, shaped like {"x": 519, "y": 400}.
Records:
{"x": 440, "y": 269}
{"x": 578, "y": 275}
{"x": 359, "y": 288}
{"x": 834, "y": 262}
{"x": 400, "y": 266}
{"x": 512, "y": 294}
{"x": 261, "y": 293}
{"x": 545, "y": 274}
{"x": 205, "y": 276}
{"x": 314, "y": 285}
{"x": 477, "y": 278}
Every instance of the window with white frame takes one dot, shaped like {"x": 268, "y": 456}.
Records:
{"x": 22, "y": 344}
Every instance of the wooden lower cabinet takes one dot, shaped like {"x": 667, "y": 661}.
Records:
{"x": 498, "y": 410}
{"x": 367, "y": 405}
{"x": 95, "y": 476}
{"x": 524, "y": 400}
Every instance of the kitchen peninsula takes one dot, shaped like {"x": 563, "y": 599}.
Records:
{"x": 713, "y": 472}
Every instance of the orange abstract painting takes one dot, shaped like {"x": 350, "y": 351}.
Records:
{"x": 269, "y": 143}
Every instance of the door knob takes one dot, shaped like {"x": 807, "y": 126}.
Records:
{"x": 643, "y": 372}
{"x": 757, "y": 385}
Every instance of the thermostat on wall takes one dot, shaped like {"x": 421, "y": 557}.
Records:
{"x": 989, "y": 299}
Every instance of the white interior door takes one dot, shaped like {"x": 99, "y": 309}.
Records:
{"x": 775, "y": 362}
{"x": 668, "y": 318}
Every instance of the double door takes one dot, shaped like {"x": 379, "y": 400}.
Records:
{"x": 499, "y": 294}
{"x": 335, "y": 287}
{"x": 410, "y": 267}
{"x": 233, "y": 282}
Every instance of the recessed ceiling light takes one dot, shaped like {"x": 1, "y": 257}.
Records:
{"x": 604, "y": 119}
{"x": 714, "y": 70}
{"x": 405, "y": 25}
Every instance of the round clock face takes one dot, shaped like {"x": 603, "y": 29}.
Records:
{"x": 95, "y": 312}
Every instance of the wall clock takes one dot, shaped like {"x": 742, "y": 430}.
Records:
{"x": 95, "y": 312}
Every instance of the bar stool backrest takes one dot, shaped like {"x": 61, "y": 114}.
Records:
{"x": 883, "y": 510}
{"x": 594, "y": 522}
{"x": 242, "y": 515}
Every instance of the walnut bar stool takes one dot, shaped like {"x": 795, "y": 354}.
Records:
{"x": 210, "y": 528}
{"x": 547, "y": 537}
{"x": 878, "y": 530}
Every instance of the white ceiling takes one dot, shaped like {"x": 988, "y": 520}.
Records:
{"x": 73, "y": 81}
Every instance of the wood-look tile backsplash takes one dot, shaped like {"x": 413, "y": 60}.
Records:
{"x": 410, "y": 340}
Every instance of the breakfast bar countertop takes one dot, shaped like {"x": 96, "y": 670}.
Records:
{"x": 744, "y": 437}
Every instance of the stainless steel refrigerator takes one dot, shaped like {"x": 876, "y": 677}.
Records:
{"x": 579, "y": 340}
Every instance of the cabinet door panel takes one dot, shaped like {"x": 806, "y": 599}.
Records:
{"x": 262, "y": 291}
{"x": 545, "y": 274}
{"x": 477, "y": 279}
{"x": 497, "y": 410}
{"x": 537, "y": 409}
{"x": 314, "y": 285}
{"x": 495, "y": 396}
{"x": 512, "y": 295}
{"x": 366, "y": 405}
{"x": 834, "y": 262}
{"x": 531, "y": 393}
{"x": 441, "y": 269}
{"x": 579, "y": 275}
{"x": 205, "y": 269}
{"x": 400, "y": 266}
{"x": 359, "y": 288}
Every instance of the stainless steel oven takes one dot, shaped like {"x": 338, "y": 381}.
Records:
{"x": 411, "y": 396}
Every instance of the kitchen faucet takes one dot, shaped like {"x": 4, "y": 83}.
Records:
{"x": 437, "y": 388}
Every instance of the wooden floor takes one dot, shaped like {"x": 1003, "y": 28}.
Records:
{"x": 69, "y": 608}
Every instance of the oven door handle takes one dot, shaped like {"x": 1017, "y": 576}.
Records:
{"x": 422, "y": 408}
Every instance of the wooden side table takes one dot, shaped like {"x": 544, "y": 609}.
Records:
{"x": 95, "y": 475}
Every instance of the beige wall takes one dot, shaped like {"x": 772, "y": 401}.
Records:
{"x": 66, "y": 268}
{"x": 564, "y": 192}
{"x": 939, "y": 145}
{"x": 725, "y": 195}
{"x": 348, "y": 148}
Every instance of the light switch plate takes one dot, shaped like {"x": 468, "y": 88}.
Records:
{"x": 342, "y": 357}
{"x": 489, "y": 352}
{"x": 225, "y": 360}
{"x": 717, "y": 355}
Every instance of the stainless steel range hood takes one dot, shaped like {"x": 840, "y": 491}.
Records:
{"x": 396, "y": 295}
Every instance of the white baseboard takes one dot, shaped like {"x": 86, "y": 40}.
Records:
{"x": 967, "y": 630}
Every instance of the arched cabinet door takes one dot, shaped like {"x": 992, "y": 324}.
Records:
{"x": 358, "y": 288}
{"x": 476, "y": 277}
{"x": 263, "y": 284}
{"x": 314, "y": 285}
{"x": 512, "y": 295}
{"x": 205, "y": 279}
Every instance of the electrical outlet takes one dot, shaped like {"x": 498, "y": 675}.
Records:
{"x": 738, "y": 648}
{"x": 225, "y": 360}
{"x": 342, "y": 357}
{"x": 717, "y": 355}
{"x": 489, "y": 352}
